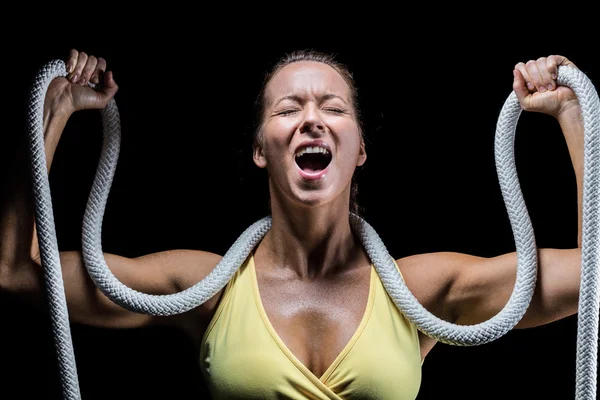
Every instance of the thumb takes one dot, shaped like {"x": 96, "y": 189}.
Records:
{"x": 109, "y": 87}
{"x": 519, "y": 86}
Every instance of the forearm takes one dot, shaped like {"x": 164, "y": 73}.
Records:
{"x": 54, "y": 125}
{"x": 571, "y": 123}
{"x": 17, "y": 229}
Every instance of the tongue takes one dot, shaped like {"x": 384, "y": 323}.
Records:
{"x": 311, "y": 163}
{"x": 311, "y": 166}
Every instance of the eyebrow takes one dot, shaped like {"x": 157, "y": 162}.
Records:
{"x": 299, "y": 99}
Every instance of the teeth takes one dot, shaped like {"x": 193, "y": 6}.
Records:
{"x": 312, "y": 150}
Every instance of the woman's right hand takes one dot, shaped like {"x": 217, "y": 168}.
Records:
{"x": 72, "y": 93}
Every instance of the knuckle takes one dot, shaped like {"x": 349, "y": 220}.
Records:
{"x": 530, "y": 63}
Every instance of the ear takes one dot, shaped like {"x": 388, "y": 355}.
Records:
{"x": 259, "y": 156}
{"x": 362, "y": 154}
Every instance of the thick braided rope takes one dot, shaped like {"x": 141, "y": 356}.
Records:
{"x": 46, "y": 231}
{"x": 425, "y": 321}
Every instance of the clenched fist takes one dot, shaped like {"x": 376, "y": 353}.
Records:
{"x": 72, "y": 93}
{"x": 535, "y": 86}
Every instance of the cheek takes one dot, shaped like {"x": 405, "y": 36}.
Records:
{"x": 277, "y": 136}
{"x": 348, "y": 162}
{"x": 275, "y": 150}
{"x": 349, "y": 145}
{"x": 279, "y": 131}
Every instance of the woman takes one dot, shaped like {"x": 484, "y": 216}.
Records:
{"x": 306, "y": 315}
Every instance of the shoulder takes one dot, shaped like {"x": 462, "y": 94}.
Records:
{"x": 187, "y": 267}
{"x": 182, "y": 269}
{"x": 193, "y": 266}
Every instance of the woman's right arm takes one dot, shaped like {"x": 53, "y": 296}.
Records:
{"x": 20, "y": 266}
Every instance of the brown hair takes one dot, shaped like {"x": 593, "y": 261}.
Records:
{"x": 343, "y": 70}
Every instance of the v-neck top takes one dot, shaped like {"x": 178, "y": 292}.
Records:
{"x": 243, "y": 357}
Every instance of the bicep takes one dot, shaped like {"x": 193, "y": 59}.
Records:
{"x": 484, "y": 286}
{"x": 157, "y": 274}
{"x": 88, "y": 305}
{"x": 466, "y": 289}
{"x": 164, "y": 273}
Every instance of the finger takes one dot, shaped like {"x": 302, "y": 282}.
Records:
{"x": 99, "y": 72}
{"x": 523, "y": 70}
{"x": 520, "y": 85}
{"x": 88, "y": 70}
{"x": 535, "y": 75}
{"x": 553, "y": 62}
{"x": 72, "y": 60}
{"x": 546, "y": 80}
{"x": 81, "y": 61}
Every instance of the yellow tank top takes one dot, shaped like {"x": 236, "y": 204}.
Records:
{"x": 242, "y": 357}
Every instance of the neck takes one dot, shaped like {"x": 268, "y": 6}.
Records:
{"x": 312, "y": 241}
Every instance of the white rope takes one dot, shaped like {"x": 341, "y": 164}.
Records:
{"x": 435, "y": 327}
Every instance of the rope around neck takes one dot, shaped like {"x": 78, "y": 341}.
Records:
{"x": 443, "y": 331}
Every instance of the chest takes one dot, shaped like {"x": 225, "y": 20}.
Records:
{"x": 316, "y": 320}
{"x": 274, "y": 338}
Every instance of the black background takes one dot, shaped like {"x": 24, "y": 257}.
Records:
{"x": 431, "y": 96}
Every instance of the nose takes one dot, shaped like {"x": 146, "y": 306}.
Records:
{"x": 312, "y": 121}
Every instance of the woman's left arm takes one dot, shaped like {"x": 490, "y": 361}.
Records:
{"x": 484, "y": 286}
{"x": 466, "y": 289}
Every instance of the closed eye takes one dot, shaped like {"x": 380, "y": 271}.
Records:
{"x": 287, "y": 112}
{"x": 335, "y": 110}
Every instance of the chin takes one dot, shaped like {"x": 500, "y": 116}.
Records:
{"x": 314, "y": 198}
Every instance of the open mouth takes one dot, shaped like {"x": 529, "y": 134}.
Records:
{"x": 313, "y": 159}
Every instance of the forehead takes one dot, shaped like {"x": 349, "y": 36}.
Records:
{"x": 307, "y": 79}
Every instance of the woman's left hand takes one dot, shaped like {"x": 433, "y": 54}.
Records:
{"x": 535, "y": 86}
